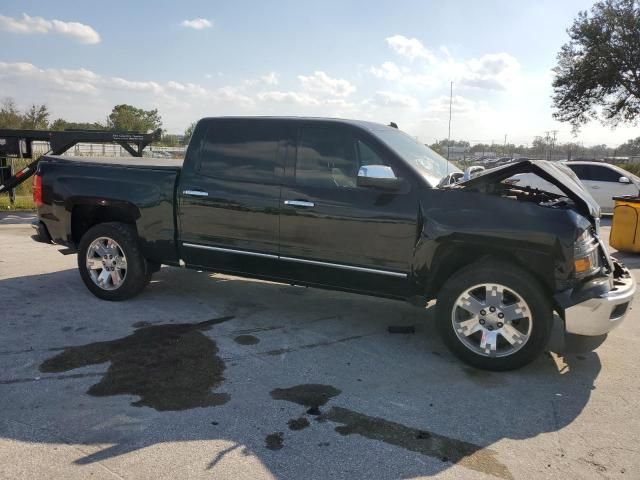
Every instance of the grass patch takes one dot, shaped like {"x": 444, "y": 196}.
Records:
{"x": 22, "y": 203}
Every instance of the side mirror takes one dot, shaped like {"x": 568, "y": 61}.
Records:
{"x": 378, "y": 176}
{"x": 624, "y": 180}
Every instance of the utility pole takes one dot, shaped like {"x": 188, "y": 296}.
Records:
{"x": 449, "y": 136}
{"x": 504, "y": 146}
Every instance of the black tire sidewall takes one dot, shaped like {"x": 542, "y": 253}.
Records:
{"x": 514, "y": 278}
{"x": 137, "y": 276}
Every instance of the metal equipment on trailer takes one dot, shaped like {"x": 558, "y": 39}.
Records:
{"x": 18, "y": 143}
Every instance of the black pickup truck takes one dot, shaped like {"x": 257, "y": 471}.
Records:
{"x": 347, "y": 205}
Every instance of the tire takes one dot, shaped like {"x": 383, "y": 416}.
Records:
{"x": 130, "y": 270}
{"x": 514, "y": 333}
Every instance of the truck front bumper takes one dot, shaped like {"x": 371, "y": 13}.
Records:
{"x": 600, "y": 305}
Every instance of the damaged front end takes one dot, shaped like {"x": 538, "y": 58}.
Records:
{"x": 602, "y": 289}
{"x": 565, "y": 187}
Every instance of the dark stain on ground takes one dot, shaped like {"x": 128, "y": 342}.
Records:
{"x": 401, "y": 329}
{"x": 311, "y": 395}
{"x": 141, "y": 324}
{"x": 325, "y": 343}
{"x": 246, "y": 340}
{"x": 274, "y": 441}
{"x": 298, "y": 423}
{"x": 66, "y": 329}
{"x": 482, "y": 377}
{"x": 430, "y": 444}
{"x": 170, "y": 367}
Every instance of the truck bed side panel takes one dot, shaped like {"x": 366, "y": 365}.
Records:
{"x": 146, "y": 195}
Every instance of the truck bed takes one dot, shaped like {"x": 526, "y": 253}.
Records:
{"x": 134, "y": 162}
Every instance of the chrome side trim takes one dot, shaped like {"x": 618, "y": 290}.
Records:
{"x": 230, "y": 250}
{"x": 299, "y": 203}
{"x": 298, "y": 260}
{"x": 344, "y": 267}
{"x": 195, "y": 193}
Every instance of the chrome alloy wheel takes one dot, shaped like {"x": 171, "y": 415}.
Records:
{"x": 106, "y": 263}
{"x": 492, "y": 320}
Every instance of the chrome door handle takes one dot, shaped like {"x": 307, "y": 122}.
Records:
{"x": 299, "y": 203}
{"x": 195, "y": 193}
{"x": 595, "y": 187}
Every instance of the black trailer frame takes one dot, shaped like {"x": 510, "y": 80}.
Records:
{"x": 18, "y": 143}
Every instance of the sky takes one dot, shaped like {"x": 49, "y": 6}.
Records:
{"x": 376, "y": 60}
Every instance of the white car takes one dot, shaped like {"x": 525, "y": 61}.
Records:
{"x": 602, "y": 180}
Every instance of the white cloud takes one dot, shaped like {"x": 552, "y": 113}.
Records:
{"x": 270, "y": 79}
{"x": 494, "y": 71}
{"x": 293, "y": 98}
{"x": 460, "y": 106}
{"x": 393, "y": 100}
{"x": 412, "y": 48}
{"x": 197, "y": 23}
{"x": 387, "y": 71}
{"x": 323, "y": 84}
{"x": 38, "y": 25}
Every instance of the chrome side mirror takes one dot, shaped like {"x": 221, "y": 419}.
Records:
{"x": 378, "y": 176}
{"x": 624, "y": 180}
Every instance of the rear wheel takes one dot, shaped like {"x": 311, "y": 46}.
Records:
{"x": 110, "y": 262}
{"x": 494, "y": 315}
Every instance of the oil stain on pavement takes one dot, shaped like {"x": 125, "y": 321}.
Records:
{"x": 274, "y": 441}
{"x": 450, "y": 450}
{"x": 426, "y": 443}
{"x": 246, "y": 340}
{"x": 311, "y": 395}
{"x": 170, "y": 367}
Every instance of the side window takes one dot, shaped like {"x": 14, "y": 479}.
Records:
{"x": 366, "y": 155}
{"x": 580, "y": 171}
{"x": 241, "y": 150}
{"x": 326, "y": 158}
{"x": 603, "y": 174}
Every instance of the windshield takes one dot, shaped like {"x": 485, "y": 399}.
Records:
{"x": 431, "y": 165}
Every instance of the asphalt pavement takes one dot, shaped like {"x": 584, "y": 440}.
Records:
{"x": 212, "y": 376}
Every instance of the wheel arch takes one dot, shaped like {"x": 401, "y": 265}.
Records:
{"x": 450, "y": 257}
{"x": 87, "y": 213}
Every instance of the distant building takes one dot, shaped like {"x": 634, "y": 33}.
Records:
{"x": 456, "y": 152}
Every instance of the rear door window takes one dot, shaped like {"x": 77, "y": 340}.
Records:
{"x": 242, "y": 150}
{"x": 603, "y": 174}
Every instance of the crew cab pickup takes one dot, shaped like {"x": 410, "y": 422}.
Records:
{"x": 353, "y": 206}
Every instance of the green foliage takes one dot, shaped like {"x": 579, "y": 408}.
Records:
{"x": 10, "y": 116}
{"x": 598, "y": 70}
{"x": 129, "y": 118}
{"x": 188, "y": 133}
{"x": 61, "y": 124}
{"x": 629, "y": 148}
{"x": 36, "y": 118}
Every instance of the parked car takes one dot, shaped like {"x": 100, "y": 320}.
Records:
{"x": 346, "y": 205}
{"x": 604, "y": 181}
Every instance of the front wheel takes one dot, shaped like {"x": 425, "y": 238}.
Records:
{"x": 110, "y": 262}
{"x": 494, "y": 315}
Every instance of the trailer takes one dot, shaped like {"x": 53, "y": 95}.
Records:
{"x": 19, "y": 144}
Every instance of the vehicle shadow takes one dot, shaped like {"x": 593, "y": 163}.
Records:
{"x": 309, "y": 383}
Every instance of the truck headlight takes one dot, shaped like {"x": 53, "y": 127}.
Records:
{"x": 586, "y": 255}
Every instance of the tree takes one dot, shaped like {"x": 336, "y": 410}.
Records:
{"x": 598, "y": 70}
{"x": 36, "y": 118}
{"x": 10, "y": 116}
{"x": 188, "y": 133}
{"x": 630, "y": 147}
{"x": 61, "y": 124}
{"x": 129, "y": 118}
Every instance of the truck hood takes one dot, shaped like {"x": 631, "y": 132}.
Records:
{"x": 553, "y": 172}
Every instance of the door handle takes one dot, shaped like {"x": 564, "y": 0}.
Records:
{"x": 195, "y": 193}
{"x": 595, "y": 187}
{"x": 299, "y": 203}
